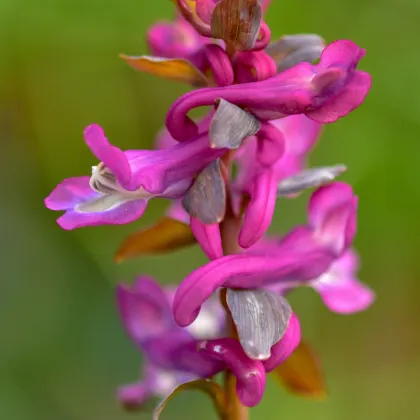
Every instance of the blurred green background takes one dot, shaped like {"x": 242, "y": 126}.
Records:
{"x": 62, "y": 350}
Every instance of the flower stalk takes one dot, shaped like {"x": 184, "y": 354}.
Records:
{"x": 229, "y": 231}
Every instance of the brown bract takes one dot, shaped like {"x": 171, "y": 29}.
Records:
{"x": 237, "y": 22}
{"x": 166, "y": 236}
{"x": 302, "y": 373}
{"x": 176, "y": 69}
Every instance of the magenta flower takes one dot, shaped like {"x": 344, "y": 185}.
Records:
{"x": 175, "y": 355}
{"x": 323, "y": 92}
{"x": 304, "y": 254}
{"x": 123, "y": 182}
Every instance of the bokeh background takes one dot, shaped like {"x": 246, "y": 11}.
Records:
{"x": 62, "y": 350}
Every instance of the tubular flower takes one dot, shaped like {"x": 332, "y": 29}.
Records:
{"x": 303, "y": 254}
{"x": 224, "y": 175}
{"x": 175, "y": 355}
{"x": 122, "y": 183}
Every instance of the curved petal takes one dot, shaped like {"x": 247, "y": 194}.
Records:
{"x": 346, "y": 297}
{"x": 219, "y": 63}
{"x": 144, "y": 309}
{"x": 124, "y": 212}
{"x": 332, "y": 215}
{"x": 173, "y": 39}
{"x": 342, "y": 53}
{"x": 340, "y": 289}
{"x": 208, "y": 236}
{"x": 113, "y": 157}
{"x": 260, "y": 209}
{"x": 247, "y": 271}
{"x": 286, "y": 346}
{"x": 250, "y": 374}
{"x": 69, "y": 193}
{"x": 350, "y": 97}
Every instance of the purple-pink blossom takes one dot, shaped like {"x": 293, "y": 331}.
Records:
{"x": 225, "y": 174}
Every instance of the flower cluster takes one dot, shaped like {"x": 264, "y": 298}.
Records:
{"x": 267, "y": 104}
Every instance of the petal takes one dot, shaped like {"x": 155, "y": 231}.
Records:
{"x": 176, "y": 69}
{"x": 249, "y": 271}
{"x": 231, "y": 125}
{"x": 250, "y": 374}
{"x": 237, "y": 22}
{"x": 134, "y": 396}
{"x": 286, "y": 346}
{"x": 271, "y": 145}
{"x": 346, "y": 297}
{"x": 177, "y": 212}
{"x": 260, "y": 210}
{"x": 166, "y": 236}
{"x": 300, "y": 133}
{"x": 332, "y": 215}
{"x": 173, "y": 39}
{"x": 220, "y": 65}
{"x": 309, "y": 178}
{"x": 302, "y": 373}
{"x": 261, "y": 319}
{"x": 208, "y": 236}
{"x": 125, "y": 212}
{"x": 112, "y": 157}
{"x": 291, "y": 50}
{"x": 212, "y": 389}
{"x": 69, "y": 193}
{"x": 206, "y": 199}
{"x": 144, "y": 309}
{"x": 341, "y": 53}
{"x": 349, "y": 98}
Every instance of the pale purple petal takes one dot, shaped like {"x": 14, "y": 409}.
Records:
{"x": 340, "y": 289}
{"x": 208, "y": 236}
{"x": 250, "y": 374}
{"x": 69, "y": 193}
{"x": 144, "y": 309}
{"x": 123, "y": 213}
{"x": 286, "y": 346}
{"x": 347, "y": 297}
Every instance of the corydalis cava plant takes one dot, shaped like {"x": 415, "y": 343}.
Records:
{"x": 267, "y": 103}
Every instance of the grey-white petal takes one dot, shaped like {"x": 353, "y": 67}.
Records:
{"x": 261, "y": 319}
{"x": 309, "y": 178}
{"x": 206, "y": 199}
{"x": 230, "y": 125}
{"x": 290, "y": 50}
